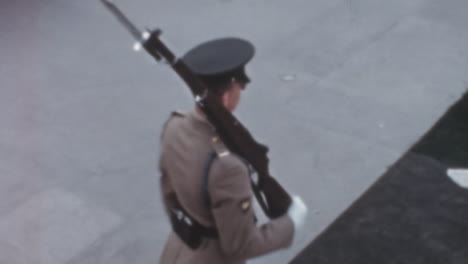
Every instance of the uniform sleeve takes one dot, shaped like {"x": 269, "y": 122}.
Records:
{"x": 231, "y": 197}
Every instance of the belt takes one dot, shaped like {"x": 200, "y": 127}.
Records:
{"x": 189, "y": 230}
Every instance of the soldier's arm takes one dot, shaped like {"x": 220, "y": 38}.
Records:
{"x": 231, "y": 202}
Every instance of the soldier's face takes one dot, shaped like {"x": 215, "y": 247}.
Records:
{"x": 231, "y": 97}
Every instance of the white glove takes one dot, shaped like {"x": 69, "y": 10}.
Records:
{"x": 297, "y": 211}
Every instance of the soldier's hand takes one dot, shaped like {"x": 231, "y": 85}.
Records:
{"x": 298, "y": 212}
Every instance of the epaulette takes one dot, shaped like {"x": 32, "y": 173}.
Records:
{"x": 178, "y": 114}
{"x": 222, "y": 151}
{"x": 173, "y": 114}
{"x": 219, "y": 147}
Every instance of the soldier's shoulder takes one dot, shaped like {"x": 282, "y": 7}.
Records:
{"x": 228, "y": 170}
{"x": 219, "y": 147}
{"x": 231, "y": 161}
{"x": 173, "y": 117}
{"x": 222, "y": 151}
{"x": 178, "y": 113}
{"x": 226, "y": 159}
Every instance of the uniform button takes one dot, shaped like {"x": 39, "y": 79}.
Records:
{"x": 245, "y": 205}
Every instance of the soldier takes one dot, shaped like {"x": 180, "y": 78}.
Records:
{"x": 206, "y": 189}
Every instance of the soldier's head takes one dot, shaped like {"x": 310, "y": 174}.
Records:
{"x": 220, "y": 63}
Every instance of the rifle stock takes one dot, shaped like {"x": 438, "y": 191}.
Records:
{"x": 272, "y": 197}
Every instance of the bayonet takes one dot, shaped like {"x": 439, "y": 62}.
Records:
{"x": 145, "y": 38}
{"x": 136, "y": 33}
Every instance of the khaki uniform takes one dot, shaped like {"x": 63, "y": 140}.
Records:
{"x": 186, "y": 142}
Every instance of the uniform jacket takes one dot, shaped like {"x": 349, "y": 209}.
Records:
{"x": 186, "y": 143}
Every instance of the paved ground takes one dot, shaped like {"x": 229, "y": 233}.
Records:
{"x": 340, "y": 90}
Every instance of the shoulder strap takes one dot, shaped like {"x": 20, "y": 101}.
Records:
{"x": 206, "y": 171}
{"x": 219, "y": 150}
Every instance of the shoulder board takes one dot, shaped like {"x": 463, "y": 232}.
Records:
{"x": 222, "y": 151}
{"x": 219, "y": 147}
{"x": 178, "y": 114}
{"x": 173, "y": 114}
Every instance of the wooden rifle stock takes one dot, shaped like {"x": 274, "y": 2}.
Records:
{"x": 272, "y": 197}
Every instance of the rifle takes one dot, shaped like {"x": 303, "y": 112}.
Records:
{"x": 272, "y": 197}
